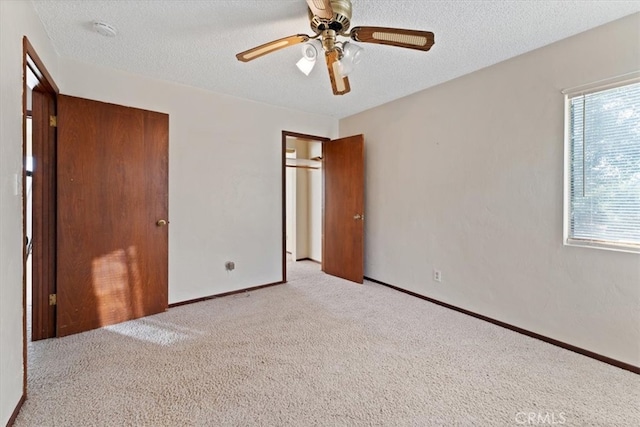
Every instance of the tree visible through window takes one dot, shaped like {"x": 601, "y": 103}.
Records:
{"x": 604, "y": 167}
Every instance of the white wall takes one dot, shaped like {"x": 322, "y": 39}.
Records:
{"x": 290, "y": 194}
{"x": 302, "y": 202}
{"x": 467, "y": 177}
{"x": 17, "y": 18}
{"x": 225, "y": 183}
{"x": 315, "y": 205}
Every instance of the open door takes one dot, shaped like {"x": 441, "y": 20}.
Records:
{"x": 112, "y": 238}
{"x": 343, "y": 216}
{"x": 43, "y": 236}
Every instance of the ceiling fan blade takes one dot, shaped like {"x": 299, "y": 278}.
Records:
{"x": 266, "y": 48}
{"x": 321, "y": 8}
{"x": 411, "y": 39}
{"x": 339, "y": 83}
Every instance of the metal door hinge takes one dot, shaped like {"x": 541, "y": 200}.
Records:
{"x": 53, "y": 121}
{"x": 53, "y": 299}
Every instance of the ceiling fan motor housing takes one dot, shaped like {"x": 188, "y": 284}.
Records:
{"x": 340, "y": 21}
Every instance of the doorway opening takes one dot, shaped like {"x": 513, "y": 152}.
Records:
{"x": 28, "y": 213}
{"x": 38, "y": 197}
{"x": 39, "y": 194}
{"x": 341, "y": 195}
{"x": 302, "y": 198}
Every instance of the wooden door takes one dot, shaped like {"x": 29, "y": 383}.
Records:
{"x": 43, "y": 237}
{"x": 343, "y": 228}
{"x": 112, "y": 191}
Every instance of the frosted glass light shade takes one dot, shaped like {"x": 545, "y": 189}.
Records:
{"x": 309, "y": 56}
{"x": 305, "y": 65}
{"x": 351, "y": 56}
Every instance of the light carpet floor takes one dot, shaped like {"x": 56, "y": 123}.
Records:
{"x": 319, "y": 351}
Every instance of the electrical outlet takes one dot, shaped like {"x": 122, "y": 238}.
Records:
{"x": 437, "y": 275}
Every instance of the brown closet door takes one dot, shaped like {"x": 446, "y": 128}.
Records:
{"x": 343, "y": 242}
{"x": 112, "y": 247}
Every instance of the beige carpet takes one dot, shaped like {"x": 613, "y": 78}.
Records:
{"x": 319, "y": 351}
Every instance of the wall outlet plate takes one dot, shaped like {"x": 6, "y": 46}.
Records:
{"x": 437, "y": 275}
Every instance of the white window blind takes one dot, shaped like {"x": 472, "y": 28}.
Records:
{"x": 604, "y": 167}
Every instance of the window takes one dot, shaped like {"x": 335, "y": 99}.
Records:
{"x": 603, "y": 167}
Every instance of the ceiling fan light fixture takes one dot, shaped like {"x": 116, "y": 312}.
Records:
{"x": 305, "y": 65}
{"x": 351, "y": 56}
{"x": 330, "y": 19}
{"x": 310, "y": 50}
{"x": 309, "y": 56}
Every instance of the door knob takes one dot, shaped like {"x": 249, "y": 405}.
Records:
{"x": 357, "y": 216}
{"x": 162, "y": 223}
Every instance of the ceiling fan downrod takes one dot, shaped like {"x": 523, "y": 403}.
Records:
{"x": 329, "y": 40}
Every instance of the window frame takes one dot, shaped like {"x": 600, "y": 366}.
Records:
{"x": 569, "y": 94}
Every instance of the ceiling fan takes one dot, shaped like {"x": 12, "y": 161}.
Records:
{"x": 330, "y": 19}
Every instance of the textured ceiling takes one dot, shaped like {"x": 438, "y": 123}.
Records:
{"x": 195, "y": 42}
